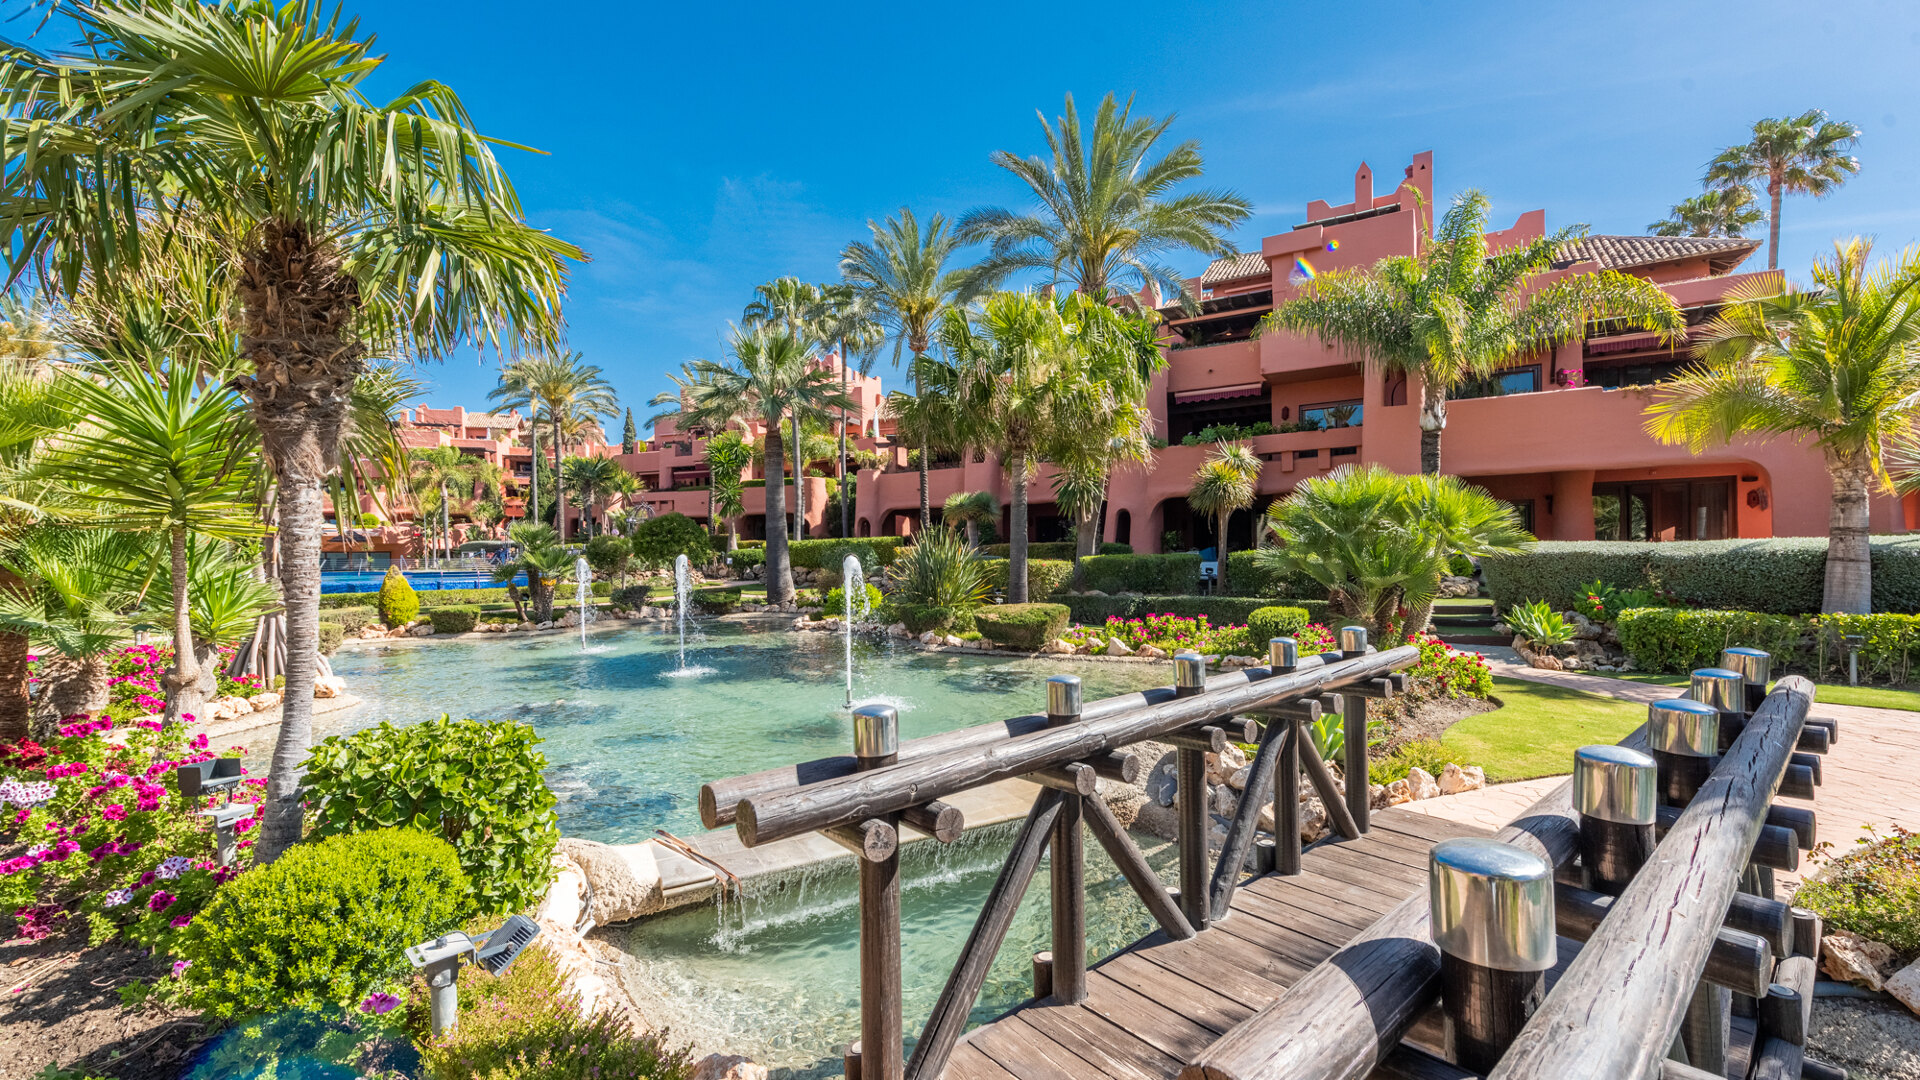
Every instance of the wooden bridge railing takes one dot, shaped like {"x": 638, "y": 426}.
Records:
{"x": 860, "y": 801}
{"x": 1679, "y": 936}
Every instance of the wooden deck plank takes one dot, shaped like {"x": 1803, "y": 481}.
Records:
{"x": 1112, "y": 1050}
{"x": 1355, "y": 905}
{"x": 1198, "y": 1002}
{"x": 1026, "y": 1053}
{"x": 968, "y": 1063}
{"x": 1176, "y": 1035}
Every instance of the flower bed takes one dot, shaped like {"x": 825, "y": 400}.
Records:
{"x": 133, "y": 682}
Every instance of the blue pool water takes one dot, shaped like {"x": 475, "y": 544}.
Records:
{"x": 340, "y": 581}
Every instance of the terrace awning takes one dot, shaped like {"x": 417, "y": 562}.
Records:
{"x": 1183, "y": 397}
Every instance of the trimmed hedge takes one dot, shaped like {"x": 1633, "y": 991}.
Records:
{"x": 810, "y": 554}
{"x": 454, "y": 620}
{"x": 1264, "y": 624}
{"x": 399, "y": 604}
{"x": 920, "y": 618}
{"x": 1783, "y": 576}
{"x": 331, "y": 635}
{"x": 716, "y": 601}
{"x": 631, "y": 596}
{"x": 1246, "y": 577}
{"x": 1021, "y": 626}
{"x": 1052, "y": 549}
{"x": 1678, "y": 640}
{"x": 1220, "y": 610}
{"x": 1045, "y": 577}
{"x": 747, "y": 558}
{"x": 428, "y": 597}
{"x": 353, "y": 618}
{"x": 1158, "y": 575}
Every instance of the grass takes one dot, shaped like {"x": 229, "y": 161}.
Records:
{"x": 1871, "y": 697}
{"x": 1537, "y": 728}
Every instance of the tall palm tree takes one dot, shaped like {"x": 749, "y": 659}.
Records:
{"x": 1112, "y": 425}
{"x": 595, "y": 479}
{"x": 728, "y": 455}
{"x": 1727, "y": 211}
{"x": 905, "y": 277}
{"x": 1838, "y": 364}
{"x": 771, "y": 374}
{"x": 790, "y": 304}
{"x": 436, "y": 476}
{"x": 1224, "y": 483}
{"x": 971, "y": 509}
{"x": 1794, "y": 155}
{"x": 564, "y": 391}
{"x": 1455, "y": 313}
{"x": 1108, "y": 214}
{"x": 355, "y": 222}
{"x": 932, "y": 419}
{"x": 29, "y": 410}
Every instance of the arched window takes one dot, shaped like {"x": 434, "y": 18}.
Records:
{"x": 1123, "y": 528}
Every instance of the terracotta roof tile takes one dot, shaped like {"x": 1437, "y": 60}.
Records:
{"x": 1232, "y": 268}
{"x": 1627, "y": 252}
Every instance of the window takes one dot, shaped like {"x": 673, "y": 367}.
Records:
{"x": 1663, "y": 510}
{"x": 1334, "y": 414}
{"x": 1523, "y": 509}
{"x": 1524, "y": 380}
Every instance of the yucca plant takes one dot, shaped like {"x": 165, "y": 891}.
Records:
{"x": 225, "y": 598}
{"x": 939, "y": 579}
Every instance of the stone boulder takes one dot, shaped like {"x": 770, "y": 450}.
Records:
{"x": 1152, "y": 652}
{"x": 1455, "y": 779}
{"x": 1452, "y": 587}
{"x": 623, "y": 880}
{"x": 1223, "y": 801}
{"x": 1399, "y": 792}
{"x": 1421, "y": 784}
{"x": 423, "y": 630}
{"x": 1222, "y": 766}
{"x": 1116, "y": 647}
{"x": 1161, "y": 781}
{"x": 1849, "y": 958}
{"x": 1058, "y": 647}
{"x": 929, "y": 638}
{"x": 1905, "y": 986}
{"x": 898, "y": 629}
{"x": 954, "y": 641}
{"x": 329, "y": 686}
{"x": 263, "y": 702}
{"x": 1238, "y": 781}
{"x": 727, "y": 1067}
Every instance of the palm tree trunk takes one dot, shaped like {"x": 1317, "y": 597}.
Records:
{"x": 1226, "y": 516}
{"x": 1017, "y": 526}
{"x": 779, "y": 569}
{"x": 70, "y": 686}
{"x": 15, "y": 705}
{"x": 533, "y": 501}
{"x": 559, "y": 484}
{"x": 1086, "y": 541}
{"x": 183, "y": 681}
{"x": 799, "y": 492}
{"x": 542, "y": 594}
{"x": 1773, "y": 223}
{"x": 840, "y": 469}
{"x": 973, "y": 533}
{"x": 1849, "y": 584}
{"x": 1433, "y": 420}
{"x": 299, "y": 506}
{"x": 926, "y": 500}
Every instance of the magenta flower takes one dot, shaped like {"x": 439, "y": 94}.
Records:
{"x": 114, "y": 812}
{"x": 180, "y": 922}
{"x": 159, "y": 901}
{"x": 180, "y": 966}
{"x": 379, "y": 1003}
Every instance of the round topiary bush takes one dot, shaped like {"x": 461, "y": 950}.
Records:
{"x": 835, "y": 602}
{"x": 631, "y": 596}
{"x": 399, "y": 604}
{"x": 453, "y": 620}
{"x": 920, "y": 618}
{"x": 1266, "y": 623}
{"x": 1021, "y": 626}
{"x": 324, "y": 925}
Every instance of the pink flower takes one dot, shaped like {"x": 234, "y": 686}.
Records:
{"x": 159, "y": 901}
{"x": 379, "y": 1003}
{"x": 115, "y": 812}
{"x": 180, "y": 922}
{"x": 180, "y": 967}
{"x": 199, "y": 741}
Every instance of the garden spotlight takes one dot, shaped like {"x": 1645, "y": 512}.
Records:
{"x": 225, "y": 834}
{"x": 1853, "y": 643}
{"x": 440, "y": 959}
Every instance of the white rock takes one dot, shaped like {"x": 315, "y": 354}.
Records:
{"x": 329, "y": 686}
{"x": 1854, "y": 959}
{"x": 544, "y": 625}
{"x": 1238, "y": 781}
{"x": 1058, "y": 647}
{"x": 727, "y": 1067}
{"x": 1399, "y": 792}
{"x": 421, "y": 631}
{"x": 1420, "y": 783}
{"x": 1116, "y": 647}
{"x": 929, "y": 638}
{"x": 1152, "y": 652}
{"x": 1224, "y": 801}
{"x": 570, "y": 619}
{"x": 263, "y": 702}
{"x": 1455, "y": 779}
{"x": 1905, "y": 986}
{"x": 898, "y": 629}
{"x": 954, "y": 640}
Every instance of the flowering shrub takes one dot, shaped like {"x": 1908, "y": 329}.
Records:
{"x": 1602, "y": 602}
{"x": 1442, "y": 672}
{"x": 106, "y": 832}
{"x": 133, "y": 682}
{"x": 1174, "y": 632}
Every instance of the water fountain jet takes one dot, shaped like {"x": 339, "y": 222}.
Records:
{"x": 582, "y": 595}
{"x": 853, "y": 586}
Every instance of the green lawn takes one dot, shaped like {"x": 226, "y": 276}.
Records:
{"x": 1872, "y": 697}
{"x": 1537, "y": 728}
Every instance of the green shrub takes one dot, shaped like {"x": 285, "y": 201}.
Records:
{"x": 1896, "y": 574}
{"x": 331, "y": 635}
{"x": 399, "y": 604}
{"x": 716, "y": 601}
{"x": 324, "y": 925}
{"x": 835, "y": 602}
{"x": 1782, "y": 576}
{"x": 631, "y": 596}
{"x": 355, "y": 618}
{"x": 1154, "y": 575}
{"x": 1542, "y": 626}
{"x": 453, "y": 620}
{"x": 874, "y": 551}
{"x": 475, "y": 782}
{"x": 1109, "y": 547}
{"x": 1267, "y": 623}
{"x": 1096, "y": 610}
{"x": 1887, "y": 645}
{"x": 1050, "y": 549}
{"x": 1459, "y": 565}
{"x": 523, "y": 1025}
{"x": 834, "y": 557}
{"x": 1247, "y": 577}
{"x": 747, "y": 558}
{"x": 1873, "y": 891}
{"x": 1679, "y": 640}
{"x": 1426, "y": 754}
{"x": 1045, "y": 577}
{"x": 657, "y": 541}
{"x": 428, "y": 598}
{"x": 610, "y": 556}
{"x": 806, "y": 598}
{"x": 1021, "y": 626}
{"x": 920, "y": 618}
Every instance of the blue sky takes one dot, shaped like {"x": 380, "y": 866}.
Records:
{"x": 697, "y": 150}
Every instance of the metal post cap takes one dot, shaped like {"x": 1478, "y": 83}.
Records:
{"x": 1723, "y": 689}
{"x": 1063, "y": 695}
{"x": 1283, "y": 652}
{"x": 1614, "y": 783}
{"x": 1353, "y": 639}
{"x": 1189, "y": 670}
{"x": 1683, "y": 727}
{"x": 1754, "y": 665}
{"x": 876, "y": 731}
{"x": 1492, "y": 904}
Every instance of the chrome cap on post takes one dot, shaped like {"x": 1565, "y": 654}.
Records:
{"x": 1063, "y": 695}
{"x": 1684, "y": 728}
{"x": 1492, "y": 904}
{"x": 1614, "y": 783}
{"x": 1283, "y": 653}
{"x": 1189, "y": 671}
{"x": 1353, "y": 639}
{"x": 1723, "y": 689}
{"x": 876, "y": 731}
{"x": 1754, "y": 665}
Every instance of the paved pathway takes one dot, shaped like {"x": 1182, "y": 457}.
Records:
{"x": 1868, "y": 777}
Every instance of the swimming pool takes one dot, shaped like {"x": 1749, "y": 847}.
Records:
{"x": 339, "y": 581}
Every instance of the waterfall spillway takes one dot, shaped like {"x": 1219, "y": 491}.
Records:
{"x": 583, "y": 595}
{"x": 853, "y": 584}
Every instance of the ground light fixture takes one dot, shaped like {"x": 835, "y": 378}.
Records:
{"x": 226, "y": 820}
{"x": 440, "y": 959}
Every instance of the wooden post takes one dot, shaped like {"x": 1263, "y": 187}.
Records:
{"x": 1492, "y": 911}
{"x": 1615, "y": 793}
{"x": 1190, "y": 800}
{"x": 1042, "y": 975}
{"x": 1067, "y": 965}
{"x": 1322, "y": 777}
{"x": 1684, "y": 738}
{"x": 1240, "y": 832}
{"x": 1756, "y": 670}
{"x": 1353, "y": 644}
{"x": 1133, "y": 866}
{"x": 1283, "y": 655}
{"x": 851, "y": 1060}
{"x": 876, "y": 743}
{"x": 1726, "y": 691}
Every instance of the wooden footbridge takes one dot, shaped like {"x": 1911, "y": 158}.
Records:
{"x": 1623, "y": 927}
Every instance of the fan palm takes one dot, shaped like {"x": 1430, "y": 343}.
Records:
{"x": 1107, "y": 213}
{"x": 1839, "y": 364}
{"x": 435, "y": 474}
{"x": 1456, "y": 312}
{"x": 971, "y": 509}
{"x": 541, "y": 556}
{"x": 1224, "y": 483}
{"x": 595, "y": 480}
{"x": 1794, "y": 155}
{"x": 905, "y": 278}
{"x": 1727, "y": 211}
{"x": 357, "y": 221}
{"x": 771, "y": 374}
{"x": 563, "y": 391}
{"x": 81, "y": 588}
{"x": 29, "y": 410}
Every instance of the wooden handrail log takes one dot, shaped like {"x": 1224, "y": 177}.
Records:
{"x": 719, "y": 798}
{"x": 939, "y": 820}
{"x": 1615, "y": 1011}
{"x": 775, "y": 815}
{"x": 1740, "y": 961}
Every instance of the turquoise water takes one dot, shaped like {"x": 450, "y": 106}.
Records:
{"x": 774, "y": 975}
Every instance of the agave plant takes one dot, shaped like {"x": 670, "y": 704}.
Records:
{"x": 1542, "y": 626}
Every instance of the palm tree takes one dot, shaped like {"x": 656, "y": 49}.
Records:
{"x": 596, "y": 479}
{"x": 1455, "y": 313}
{"x": 1727, "y": 211}
{"x": 1224, "y": 483}
{"x": 1839, "y": 364}
{"x": 1107, "y": 213}
{"x": 80, "y": 588}
{"x": 435, "y": 474}
{"x": 29, "y": 410}
{"x": 771, "y": 374}
{"x": 971, "y": 509}
{"x": 728, "y": 455}
{"x": 226, "y": 598}
{"x": 353, "y": 222}
{"x": 906, "y": 281}
{"x": 564, "y": 392}
{"x": 541, "y": 556}
{"x": 1794, "y": 155}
